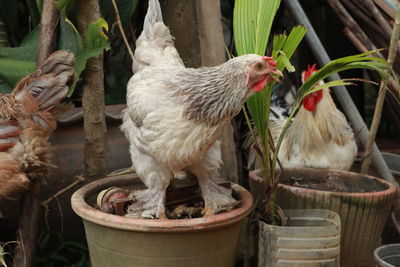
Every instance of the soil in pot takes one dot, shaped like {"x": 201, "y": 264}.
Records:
{"x": 334, "y": 183}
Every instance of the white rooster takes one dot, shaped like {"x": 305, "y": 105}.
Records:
{"x": 319, "y": 136}
{"x": 175, "y": 114}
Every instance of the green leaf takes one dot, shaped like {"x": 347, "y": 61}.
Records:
{"x": 33, "y": 12}
{"x": 360, "y": 61}
{"x": 296, "y": 35}
{"x": 9, "y": 14}
{"x": 95, "y": 36}
{"x": 69, "y": 39}
{"x": 278, "y": 43}
{"x": 343, "y": 82}
{"x": 5, "y": 88}
{"x": 12, "y": 70}
{"x": 65, "y": 6}
{"x": 44, "y": 240}
{"x": 252, "y": 22}
{"x": 286, "y": 62}
{"x": 39, "y": 4}
{"x": 59, "y": 258}
{"x": 286, "y": 45}
{"x": 95, "y": 42}
{"x": 26, "y": 51}
{"x": 126, "y": 9}
{"x": 17, "y": 62}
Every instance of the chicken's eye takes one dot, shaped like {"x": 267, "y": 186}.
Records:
{"x": 259, "y": 66}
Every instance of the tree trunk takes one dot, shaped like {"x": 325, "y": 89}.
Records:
{"x": 93, "y": 99}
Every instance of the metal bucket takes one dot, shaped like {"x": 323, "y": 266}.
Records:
{"x": 311, "y": 240}
{"x": 120, "y": 241}
{"x": 388, "y": 255}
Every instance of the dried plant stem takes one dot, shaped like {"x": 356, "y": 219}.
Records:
{"x": 118, "y": 18}
{"x": 78, "y": 180}
{"x": 381, "y": 97}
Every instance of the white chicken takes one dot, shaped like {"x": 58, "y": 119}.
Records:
{"x": 174, "y": 115}
{"x": 319, "y": 136}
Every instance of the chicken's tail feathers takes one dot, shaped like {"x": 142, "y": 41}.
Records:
{"x": 49, "y": 84}
{"x": 41, "y": 92}
{"x": 155, "y": 44}
{"x": 153, "y": 16}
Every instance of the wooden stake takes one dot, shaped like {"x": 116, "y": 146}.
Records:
{"x": 381, "y": 96}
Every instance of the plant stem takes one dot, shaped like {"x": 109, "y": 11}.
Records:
{"x": 381, "y": 97}
{"x": 255, "y": 141}
{"x": 118, "y": 18}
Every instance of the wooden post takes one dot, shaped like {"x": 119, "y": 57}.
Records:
{"x": 29, "y": 222}
{"x": 93, "y": 99}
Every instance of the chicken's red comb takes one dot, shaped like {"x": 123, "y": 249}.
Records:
{"x": 310, "y": 71}
{"x": 271, "y": 60}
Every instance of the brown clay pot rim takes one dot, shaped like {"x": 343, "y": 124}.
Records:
{"x": 390, "y": 190}
{"x": 87, "y": 212}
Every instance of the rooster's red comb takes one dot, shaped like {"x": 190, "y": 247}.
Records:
{"x": 310, "y": 71}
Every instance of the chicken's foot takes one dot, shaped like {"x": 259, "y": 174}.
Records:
{"x": 216, "y": 198}
{"x": 150, "y": 204}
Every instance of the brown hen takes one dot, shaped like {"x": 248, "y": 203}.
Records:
{"x": 26, "y": 122}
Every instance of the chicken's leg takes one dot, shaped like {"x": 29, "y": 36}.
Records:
{"x": 151, "y": 201}
{"x": 206, "y": 170}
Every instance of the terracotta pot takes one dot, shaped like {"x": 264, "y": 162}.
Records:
{"x": 121, "y": 241}
{"x": 312, "y": 240}
{"x": 363, "y": 215}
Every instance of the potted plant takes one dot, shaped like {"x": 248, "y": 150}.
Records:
{"x": 252, "y": 37}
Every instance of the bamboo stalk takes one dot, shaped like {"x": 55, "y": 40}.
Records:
{"x": 368, "y": 21}
{"x": 381, "y": 96}
{"x": 354, "y": 40}
{"x": 360, "y": 46}
{"x": 378, "y": 16}
{"x": 360, "y": 4}
{"x": 348, "y": 20}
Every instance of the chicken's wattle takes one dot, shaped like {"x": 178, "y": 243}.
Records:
{"x": 259, "y": 86}
{"x": 310, "y": 101}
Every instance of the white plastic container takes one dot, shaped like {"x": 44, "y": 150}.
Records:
{"x": 312, "y": 240}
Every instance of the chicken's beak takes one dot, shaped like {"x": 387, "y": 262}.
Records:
{"x": 276, "y": 75}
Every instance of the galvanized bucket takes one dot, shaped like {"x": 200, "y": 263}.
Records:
{"x": 311, "y": 240}
{"x": 388, "y": 255}
{"x": 120, "y": 241}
